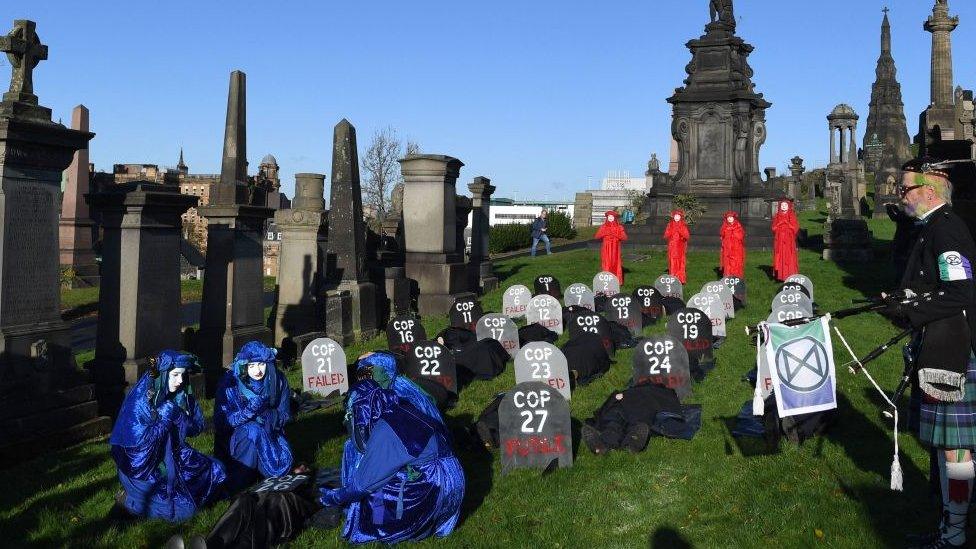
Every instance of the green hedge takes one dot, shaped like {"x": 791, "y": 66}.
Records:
{"x": 506, "y": 238}
{"x": 559, "y": 226}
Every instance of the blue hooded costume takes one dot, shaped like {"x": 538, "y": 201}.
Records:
{"x": 162, "y": 475}
{"x": 400, "y": 478}
{"x": 249, "y": 419}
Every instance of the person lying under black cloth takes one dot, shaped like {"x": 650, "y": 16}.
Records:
{"x": 443, "y": 398}
{"x": 481, "y": 360}
{"x": 586, "y": 357}
{"x": 772, "y": 428}
{"x": 536, "y": 332}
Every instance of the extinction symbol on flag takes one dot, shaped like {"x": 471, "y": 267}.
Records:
{"x": 801, "y": 367}
{"x": 802, "y": 364}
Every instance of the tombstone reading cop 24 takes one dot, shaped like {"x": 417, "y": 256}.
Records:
{"x": 515, "y": 300}
{"x": 465, "y": 313}
{"x": 624, "y": 310}
{"x": 725, "y": 293}
{"x": 580, "y": 295}
{"x": 545, "y": 311}
{"x": 431, "y": 360}
{"x": 711, "y": 305}
{"x": 782, "y": 313}
{"x": 545, "y": 363}
{"x": 547, "y": 284}
{"x": 534, "y": 428}
{"x": 649, "y": 301}
{"x": 693, "y": 329}
{"x": 324, "y": 369}
{"x": 669, "y": 286}
{"x": 793, "y": 297}
{"x": 738, "y": 287}
{"x": 662, "y": 360}
{"x": 805, "y": 280}
{"x": 500, "y": 328}
{"x": 403, "y": 332}
{"x": 606, "y": 283}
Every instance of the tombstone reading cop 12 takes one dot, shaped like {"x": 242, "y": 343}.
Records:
{"x": 403, "y": 332}
{"x": 515, "y": 300}
{"x": 649, "y": 301}
{"x": 669, "y": 286}
{"x": 606, "y": 283}
{"x": 500, "y": 328}
{"x": 580, "y": 295}
{"x": 465, "y": 313}
{"x": 805, "y": 280}
{"x": 547, "y": 284}
{"x": 693, "y": 329}
{"x": 783, "y": 313}
{"x": 545, "y": 363}
{"x": 793, "y": 297}
{"x": 663, "y": 360}
{"x": 738, "y": 287}
{"x": 534, "y": 428}
{"x": 624, "y": 310}
{"x": 545, "y": 311}
{"x": 324, "y": 369}
{"x": 432, "y": 361}
{"x": 711, "y": 305}
{"x": 720, "y": 289}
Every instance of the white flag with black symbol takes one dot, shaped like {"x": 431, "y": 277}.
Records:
{"x": 801, "y": 367}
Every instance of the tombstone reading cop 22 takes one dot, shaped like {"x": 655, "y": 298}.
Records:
{"x": 805, "y": 281}
{"x": 738, "y": 287}
{"x": 606, "y": 283}
{"x": 662, "y": 360}
{"x": 693, "y": 329}
{"x": 624, "y": 310}
{"x": 793, "y": 297}
{"x": 547, "y": 284}
{"x": 711, "y": 305}
{"x": 500, "y": 328}
{"x": 545, "y": 311}
{"x": 534, "y": 428}
{"x": 324, "y": 370}
{"x": 669, "y": 286}
{"x": 403, "y": 332}
{"x": 465, "y": 313}
{"x": 515, "y": 300}
{"x": 580, "y": 295}
{"x": 725, "y": 293}
{"x": 432, "y": 361}
{"x": 649, "y": 301}
{"x": 545, "y": 363}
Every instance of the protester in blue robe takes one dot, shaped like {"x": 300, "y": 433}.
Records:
{"x": 252, "y": 407}
{"x": 400, "y": 478}
{"x": 162, "y": 476}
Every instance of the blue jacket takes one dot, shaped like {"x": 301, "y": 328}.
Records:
{"x": 537, "y": 227}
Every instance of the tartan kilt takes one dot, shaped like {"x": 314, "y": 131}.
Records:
{"x": 948, "y": 425}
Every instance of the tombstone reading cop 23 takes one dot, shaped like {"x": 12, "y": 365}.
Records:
{"x": 624, "y": 310}
{"x": 432, "y": 361}
{"x": 465, "y": 312}
{"x": 545, "y": 363}
{"x": 793, "y": 297}
{"x": 693, "y": 329}
{"x": 711, "y": 305}
{"x": 725, "y": 293}
{"x": 515, "y": 300}
{"x": 500, "y": 328}
{"x": 669, "y": 286}
{"x": 738, "y": 287}
{"x": 662, "y": 360}
{"x": 534, "y": 428}
{"x": 805, "y": 280}
{"x": 403, "y": 332}
{"x": 580, "y": 295}
{"x": 606, "y": 283}
{"x": 649, "y": 301}
{"x": 545, "y": 311}
{"x": 547, "y": 284}
{"x": 324, "y": 370}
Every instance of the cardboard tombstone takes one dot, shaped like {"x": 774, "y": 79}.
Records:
{"x": 720, "y": 289}
{"x": 548, "y": 284}
{"x": 324, "y": 368}
{"x": 465, "y": 313}
{"x": 593, "y": 323}
{"x": 515, "y": 301}
{"x": 545, "y": 311}
{"x": 738, "y": 287}
{"x": 606, "y": 283}
{"x": 284, "y": 483}
{"x": 432, "y": 361}
{"x": 794, "y": 286}
{"x": 534, "y": 428}
{"x": 712, "y": 305}
{"x": 403, "y": 332}
{"x": 649, "y": 301}
{"x": 671, "y": 304}
{"x": 545, "y": 363}
{"x": 805, "y": 280}
{"x": 782, "y": 313}
{"x": 579, "y": 294}
{"x": 669, "y": 286}
{"x": 624, "y": 310}
{"x": 693, "y": 329}
{"x": 793, "y": 297}
{"x": 500, "y": 328}
{"x": 663, "y": 360}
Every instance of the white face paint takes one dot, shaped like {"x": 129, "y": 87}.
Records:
{"x": 677, "y": 217}
{"x": 784, "y": 206}
{"x": 610, "y": 218}
{"x": 730, "y": 219}
{"x": 256, "y": 370}
{"x": 176, "y": 378}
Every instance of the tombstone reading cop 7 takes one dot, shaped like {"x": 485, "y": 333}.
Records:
{"x": 465, "y": 313}
{"x": 432, "y": 361}
{"x": 324, "y": 370}
{"x": 711, "y": 305}
{"x": 403, "y": 332}
{"x": 624, "y": 310}
{"x": 515, "y": 300}
{"x": 738, "y": 287}
{"x": 649, "y": 301}
{"x": 669, "y": 286}
{"x": 545, "y": 311}
{"x": 805, "y": 280}
{"x": 547, "y": 284}
{"x": 545, "y": 363}
{"x": 500, "y": 328}
{"x": 793, "y": 297}
{"x": 693, "y": 329}
{"x": 606, "y": 283}
{"x": 720, "y": 289}
{"x": 783, "y": 313}
{"x": 534, "y": 427}
{"x": 663, "y": 360}
{"x": 579, "y": 294}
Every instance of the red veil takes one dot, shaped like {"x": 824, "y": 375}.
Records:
{"x": 733, "y": 235}
{"x": 677, "y": 236}
{"x": 785, "y": 227}
{"x": 612, "y": 233}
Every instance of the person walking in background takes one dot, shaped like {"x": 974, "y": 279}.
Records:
{"x": 539, "y": 228}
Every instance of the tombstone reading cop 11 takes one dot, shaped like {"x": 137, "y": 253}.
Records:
{"x": 738, "y": 287}
{"x": 545, "y": 311}
{"x": 720, "y": 289}
{"x": 805, "y": 280}
{"x": 649, "y": 301}
{"x": 711, "y": 305}
{"x": 545, "y": 363}
{"x": 465, "y": 313}
{"x": 693, "y": 329}
{"x": 606, "y": 283}
{"x": 432, "y": 361}
{"x": 547, "y": 284}
{"x": 500, "y": 328}
{"x": 515, "y": 300}
{"x": 793, "y": 297}
{"x": 783, "y": 313}
{"x": 580, "y": 295}
{"x": 663, "y": 360}
{"x": 624, "y": 310}
{"x": 534, "y": 428}
{"x": 324, "y": 369}
{"x": 403, "y": 332}
{"x": 669, "y": 286}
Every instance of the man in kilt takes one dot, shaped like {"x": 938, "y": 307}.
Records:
{"x": 943, "y": 405}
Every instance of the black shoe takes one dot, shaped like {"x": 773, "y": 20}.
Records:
{"x": 591, "y": 437}
{"x": 636, "y": 438}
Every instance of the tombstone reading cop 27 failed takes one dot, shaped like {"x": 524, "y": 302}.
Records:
{"x": 403, "y": 332}
{"x": 720, "y": 289}
{"x": 624, "y": 310}
{"x": 465, "y": 313}
{"x": 738, "y": 287}
{"x": 662, "y": 360}
{"x": 515, "y": 300}
{"x": 793, "y": 297}
{"x": 805, "y": 280}
{"x": 786, "y": 312}
{"x": 712, "y": 306}
{"x": 606, "y": 283}
{"x": 669, "y": 286}
{"x": 500, "y": 328}
{"x": 547, "y": 284}
{"x": 693, "y": 329}
{"x": 545, "y": 311}
{"x": 431, "y": 360}
{"x": 545, "y": 363}
{"x": 324, "y": 369}
{"x": 579, "y": 294}
{"x": 649, "y": 301}
{"x": 534, "y": 428}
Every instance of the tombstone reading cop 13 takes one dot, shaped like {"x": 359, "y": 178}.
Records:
{"x": 669, "y": 286}
{"x": 403, "y": 332}
{"x": 324, "y": 369}
{"x": 500, "y": 328}
{"x": 624, "y": 310}
{"x": 545, "y": 363}
{"x": 515, "y": 300}
{"x": 580, "y": 295}
{"x": 545, "y": 311}
{"x": 663, "y": 360}
{"x": 606, "y": 283}
{"x": 465, "y": 313}
{"x": 535, "y": 428}
{"x": 548, "y": 284}
{"x": 432, "y": 361}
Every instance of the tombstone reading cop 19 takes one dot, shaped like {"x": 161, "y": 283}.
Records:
{"x": 515, "y": 300}
{"x": 606, "y": 283}
{"x": 738, "y": 287}
{"x": 793, "y": 297}
{"x": 324, "y": 369}
{"x": 465, "y": 313}
{"x": 624, "y": 310}
{"x": 663, "y": 360}
{"x": 649, "y": 301}
{"x": 669, "y": 286}
{"x": 580, "y": 295}
{"x": 545, "y": 363}
{"x": 432, "y": 361}
{"x": 547, "y": 284}
{"x": 711, "y": 305}
{"x": 500, "y": 328}
{"x": 403, "y": 332}
{"x": 545, "y": 311}
{"x": 725, "y": 293}
{"x": 534, "y": 428}
{"x": 694, "y": 329}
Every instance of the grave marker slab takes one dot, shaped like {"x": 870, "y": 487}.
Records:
{"x": 465, "y": 312}
{"x": 546, "y": 311}
{"x": 579, "y": 294}
{"x": 663, "y": 360}
{"x": 548, "y": 284}
{"x": 515, "y": 300}
{"x": 725, "y": 293}
{"x": 535, "y": 428}
{"x": 794, "y": 287}
{"x": 805, "y": 280}
{"x": 592, "y": 323}
{"x": 624, "y": 310}
{"x": 789, "y": 311}
{"x": 606, "y": 283}
{"x": 738, "y": 287}
{"x": 712, "y": 306}
{"x": 500, "y": 328}
{"x": 432, "y": 361}
{"x": 324, "y": 369}
{"x": 649, "y": 300}
{"x": 545, "y": 363}
{"x": 693, "y": 329}
{"x": 793, "y": 297}
{"x": 669, "y": 286}
{"x": 403, "y": 332}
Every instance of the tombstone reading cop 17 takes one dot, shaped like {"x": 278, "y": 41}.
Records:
{"x": 465, "y": 313}
{"x": 500, "y": 328}
{"x": 545, "y": 363}
{"x": 624, "y": 310}
{"x": 725, "y": 293}
{"x": 545, "y": 311}
{"x": 534, "y": 427}
{"x": 649, "y": 301}
{"x": 805, "y": 281}
{"x": 579, "y": 294}
{"x": 738, "y": 287}
{"x": 693, "y": 329}
{"x": 403, "y": 332}
{"x": 669, "y": 286}
{"x": 324, "y": 370}
{"x": 432, "y": 361}
{"x": 606, "y": 283}
{"x": 793, "y": 297}
{"x": 515, "y": 300}
{"x": 663, "y": 360}
{"x": 711, "y": 305}
{"x": 548, "y": 284}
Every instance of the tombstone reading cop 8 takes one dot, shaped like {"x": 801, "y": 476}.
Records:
{"x": 580, "y": 295}
{"x": 693, "y": 329}
{"x": 783, "y": 313}
{"x": 669, "y": 286}
{"x": 738, "y": 287}
{"x": 793, "y": 297}
{"x": 432, "y": 361}
{"x": 534, "y": 428}
{"x": 545, "y": 363}
{"x": 465, "y": 313}
{"x": 547, "y": 284}
{"x": 403, "y": 332}
{"x": 624, "y": 310}
{"x": 606, "y": 283}
{"x": 663, "y": 360}
{"x": 500, "y": 328}
{"x": 515, "y": 300}
{"x": 805, "y": 280}
{"x": 324, "y": 369}
{"x": 720, "y": 289}
{"x": 545, "y": 311}
{"x": 711, "y": 305}
{"x": 649, "y": 301}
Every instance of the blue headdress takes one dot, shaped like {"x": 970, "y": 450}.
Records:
{"x": 384, "y": 373}
{"x": 255, "y": 351}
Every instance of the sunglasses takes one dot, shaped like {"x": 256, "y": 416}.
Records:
{"x": 903, "y": 191}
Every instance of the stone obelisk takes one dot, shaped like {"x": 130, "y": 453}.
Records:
{"x": 75, "y": 228}
{"x": 886, "y": 143}
{"x": 936, "y": 122}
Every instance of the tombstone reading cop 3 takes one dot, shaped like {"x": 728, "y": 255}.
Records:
{"x": 720, "y": 289}
{"x": 547, "y": 284}
{"x": 465, "y": 313}
{"x": 403, "y": 332}
{"x": 606, "y": 283}
{"x": 805, "y": 281}
{"x": 432, "y": 361}
{"x": 669, "y": 286}
{"x": 534, "y": 428}
{"x": 580, "y": 295}
{"x": 515, "y": 300}
{"x": 663, "y": 360}
{"x": 693, "y": 329}
{"x": 545, "y": 311}
{"x": 624, "y": 310}
{"x": 324, "y": 369}
{"x": 793, "y": 297}
{"x": 649, "y": 301}
{"x": 711, "y": 305}
{"x": 545, "y": 363}
{"x": 738, "y": 287}
{"x": 500, "y": 328}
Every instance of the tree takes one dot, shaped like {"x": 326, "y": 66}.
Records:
{"x": 382, "y": 171}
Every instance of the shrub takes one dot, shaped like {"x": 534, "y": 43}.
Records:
{"x": 692, "y": 207}
{"x": 559, "y": 226}
{"x": 68, "y": 276}
{"x": 505, "y": 238}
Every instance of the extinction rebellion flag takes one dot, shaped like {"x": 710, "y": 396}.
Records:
{"x": 801, "y": 367}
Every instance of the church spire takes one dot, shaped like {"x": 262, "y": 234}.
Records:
{"x": 886, "y": 143}
{"x": 885, "y": 34}
{"x": 181, "y": 166}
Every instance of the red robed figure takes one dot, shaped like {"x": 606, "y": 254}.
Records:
{"x": 677, "y": 236}
{"x": 612, "y": 233}
{"x": 733, "y": 246}
{"x": 785, "y": 227}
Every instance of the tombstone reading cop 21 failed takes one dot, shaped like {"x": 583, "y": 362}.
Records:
{"x": 545, "y": 311}
{"x": 738, "y": 287}
{"x": 790, "y": 311}
{"x": 669, "y": 286}
{"x": 548, "y": 284}
{"x": 805, "y": 281}
{"x": 515, "y": 300}
{"x": 725, "y": 293}
{"x": 545, "y": 363}
{"x": 793, "y": 297}
{"x": 432, "y": 361}
{"x": 465, "y": 313}
{"x": 711, "y": 305}
{"x": 580, "y": 295}
{"x": 662, "y": 360}
{"x": 324, "y": 369}
{"x": 403, "y": 332}
{"x": 649, "y": 301}
{"x": 500, "y": 328}
{"x": 606, "y": 283}
{"x": 693, "y": 329}
{"x": 534, "y": 428}
{"x": 624, "y": 310}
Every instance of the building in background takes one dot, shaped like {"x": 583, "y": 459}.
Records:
{"x": 505, "y": 211}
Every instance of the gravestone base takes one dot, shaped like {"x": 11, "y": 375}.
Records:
{"x": 338, "y": 317}
{"x": 847, "y": 240}
{"x": 879, "y": 205}
{"x": 438, "y": 283}
{"x": 363, "y": 303}
{"x": 481, "y": 277}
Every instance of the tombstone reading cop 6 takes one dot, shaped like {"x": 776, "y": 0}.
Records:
{"x": 403, "y": 332}
{"x": 500, "y": 328}
{"x": 545, "y": 311}
{"x": 534, "y": 428}
{"x": 623, "y": 309}
{"x": 432, "y": 361}
{"x": 547, "y": 284}
{"x": 663, "y": 360}
{"x": 545, "y": 363}
{"x": 606, "y": 283}
{"x": 669, "y": 286}
{"x": 465, "y": 313}
{"x": 579, "y": 294}
{"x": 324, "y": 369}
{"x": 515, "y": 300}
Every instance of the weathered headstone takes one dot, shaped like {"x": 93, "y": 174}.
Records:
{"x": 515, "y": 301}
{"x": 712, "y": 305}
{"x": 465, "y": 312}
{"x": 669, "y": 286}
{"x": 324, "y": 368}
{"x": 693, "y": 329}
{"x": 432, "y": 361}
{"x": 662, "y": 360}
{"x": 543, "y": 362}
{"x": 649, "y": 300}
{"x": 545, "y": 311}
{"x": 786, "y": 312}
{"x": 805, "y": 280}
{"x": 794, "y": 297}
{"x": 403, "y": 332}
{"x": 500, "y": 328}
{"x": 725, "y": 293}
{"x": 75, "y": 226}
{"x": 606, "y": 283}
{"x": 535, "y": 428}
{"x": 548, "y": 284}
{"x": 479, "y": 266}
{"x": 624, "y": 310}
{"x": 579, "y": 294}
{"x": 738, "y": 287}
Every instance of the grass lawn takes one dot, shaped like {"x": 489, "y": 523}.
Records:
{"x": 713, "y": 491}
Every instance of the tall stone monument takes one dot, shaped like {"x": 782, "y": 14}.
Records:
{"x": 936, "y": 123}
{"x": 45, "y": 401}
{"x": 886, "y": 143}
{"x": 583, "y": 210}
{"x": 846, "y": 236}
{"x": 75, "y": 227}
{"x": 232, "y": 307}
{"x": 479, "y": 271}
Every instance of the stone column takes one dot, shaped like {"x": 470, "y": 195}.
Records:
{"x": 480, "y": 271}
{"x": 75, "y": 228}
{"x": 139, "y": 310}
{"x": 833, "y": 145}
{"x": 583, "y": 209}
{"x": 843, "y": 145}
{"x": 852, "y": 153}
{"x": 940, "y": 24}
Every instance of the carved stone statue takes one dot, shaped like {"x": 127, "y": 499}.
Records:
{"x": 721, "y": 11}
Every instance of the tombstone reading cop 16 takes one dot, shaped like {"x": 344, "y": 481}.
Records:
{"x": 324, "y": 369}
{"x": 669, "y": 286}
{"x": 403, "y": 332}
{"x": 711, "y": 305}
{"x": 534, "y": 428}
{"x": 694, "y": 329}
{"x": 662, "y": 360}
{"x": 545, "y": 363}
{"x": 738, "y": 287}
{"x": 624, "y": 310}
{"x": 515, "y": 300}
{"x": 545, "y": 311}
{"x": 606, "y": 283}
{"x": 547, "y": 284}
{"x": 465, "y": 313}
{"x": 431, "y": 360}
{"x": 793, "y": 297}
{"x": 720, "y": 289}
{"x": 500, "y": 328}
{"x": 579, "y": 294}
{"x": 649, "y": 301}
{"x": 805, "y": 280}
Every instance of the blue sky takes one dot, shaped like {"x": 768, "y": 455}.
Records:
{"x": 539, "y": 96}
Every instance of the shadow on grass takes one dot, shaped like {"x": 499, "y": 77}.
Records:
{"x": 667, "y": 537}
{"x": 477, "y": 463}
